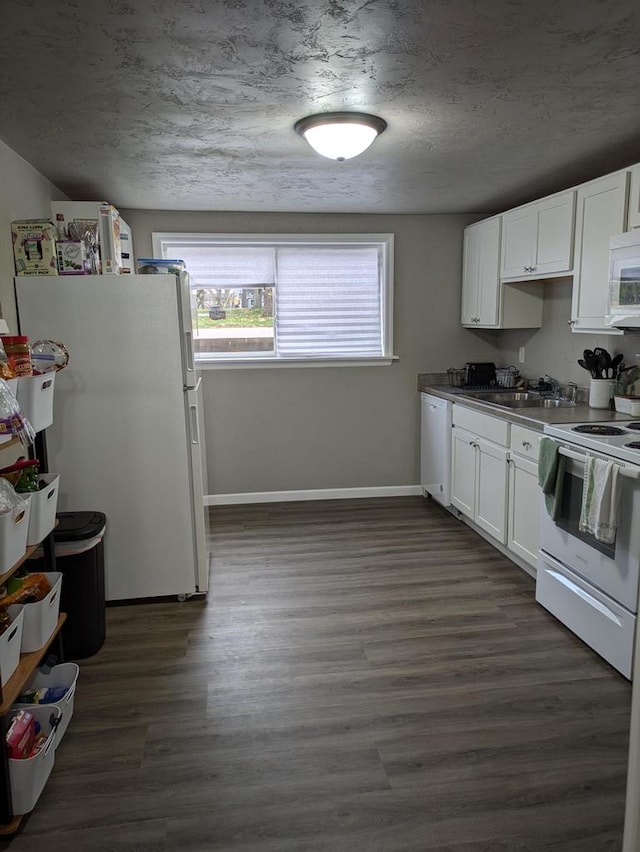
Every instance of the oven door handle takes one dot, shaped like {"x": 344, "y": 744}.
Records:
{"x": 628, "y": 473}
{"x": 593, "y": 602}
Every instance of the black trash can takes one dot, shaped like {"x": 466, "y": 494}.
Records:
{"x": 79, "y": 539}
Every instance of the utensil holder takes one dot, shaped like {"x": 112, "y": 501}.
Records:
{"x": 600, "y": 393}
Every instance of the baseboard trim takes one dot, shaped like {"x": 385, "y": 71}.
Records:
{"x": 312, "y": 494}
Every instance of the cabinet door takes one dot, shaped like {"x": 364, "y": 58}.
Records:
{"x": 554, "y": 234}
{"x": 489, "y": 273}
{"x": 524, "y": 497}
{"x": 463, "y": 472}
{"x": 600, "y": 212}
{"x": 518, "y": 242}
{"x": 480, "y": 274}
{"x": 538, "y": 239}
{"x": 633, "y": 216}
{"x": 491, "y": 490}
{"x": 470, "y": 274}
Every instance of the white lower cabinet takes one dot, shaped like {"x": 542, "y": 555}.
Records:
{"x": 491, "y": 489}
{"x": 494, "y": 479}
{"x": 479, "y": 473}
{"x": 524, "y": 494}
{"x": 463, "y": 472}
{"x": 523, "y": 509}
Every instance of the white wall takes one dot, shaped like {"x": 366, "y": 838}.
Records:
{"x": 25, "y": 194}
{"x": 554, "y": 348}
{"x": 341, "y": 427}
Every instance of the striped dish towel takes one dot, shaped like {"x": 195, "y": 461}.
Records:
{"x": 600, "y": 499}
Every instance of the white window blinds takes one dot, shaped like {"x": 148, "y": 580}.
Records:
{"x": 323, "y": 297}
{"x": 228, "y": 266}
{"x": 328, "y": 301}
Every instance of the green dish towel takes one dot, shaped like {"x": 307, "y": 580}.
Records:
{"x": 551, "y": 475}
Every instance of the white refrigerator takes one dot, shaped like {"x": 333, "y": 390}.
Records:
{"x": 127, "y": 432}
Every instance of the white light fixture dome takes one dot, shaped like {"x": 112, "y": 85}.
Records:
{"x": 340, "y": 135}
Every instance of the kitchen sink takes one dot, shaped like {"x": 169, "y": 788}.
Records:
{"x": 520, "y": 399}
{"x": 538, "y": 402}
{"x": 504, "y": 397}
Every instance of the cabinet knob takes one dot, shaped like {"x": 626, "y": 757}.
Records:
{"x": 526, "y": 444}
{"x": 571, "y": 322}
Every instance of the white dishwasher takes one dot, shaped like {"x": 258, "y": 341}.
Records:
{"x": 435, "y": 448}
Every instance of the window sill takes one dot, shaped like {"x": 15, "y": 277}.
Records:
{"x": 270, "y": 363}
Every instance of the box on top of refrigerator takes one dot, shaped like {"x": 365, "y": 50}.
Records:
{"x": 34, "y": 247}
{"x": 109, "y": 236}
{"x": 111, "y": 231}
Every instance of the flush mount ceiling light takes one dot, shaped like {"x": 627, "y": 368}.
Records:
{"x": 340, "y": 135}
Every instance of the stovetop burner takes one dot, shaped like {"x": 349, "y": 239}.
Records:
{"x": 635, "y": 426}
{"x": 633, "y": 445}
{"x": 599, "y": 429}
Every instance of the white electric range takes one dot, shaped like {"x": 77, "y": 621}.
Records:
{"x": 590, "y": 586}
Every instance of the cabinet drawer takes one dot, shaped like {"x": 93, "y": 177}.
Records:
{"x": 482, "y": 425}
{"x": 525, "y": 442}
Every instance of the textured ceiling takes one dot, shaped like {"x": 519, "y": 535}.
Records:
{"x": 190, "y": 104}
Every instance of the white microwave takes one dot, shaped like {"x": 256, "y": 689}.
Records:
{"x": 623, "y": 307}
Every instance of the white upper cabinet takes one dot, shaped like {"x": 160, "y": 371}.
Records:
{"x": 633, "y": 215}
{"x": 486, "y": 303}
{"x": 480, "y": 279}
{"x": 537, "y": 239}
{"x": 601, "y": 211}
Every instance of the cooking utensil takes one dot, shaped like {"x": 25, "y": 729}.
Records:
{"x": 615, "y": 365}
{"x": 585, "y": 366}
{"x": 603, "y": 362}
{"x": 590, "y": 361}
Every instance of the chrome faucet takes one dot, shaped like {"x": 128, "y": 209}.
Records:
{"x": 554, "y": 386}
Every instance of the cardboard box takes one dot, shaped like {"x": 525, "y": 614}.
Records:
{"x": 72, "y": 257}
{"x": 114, "y": 235}
{"x": 109, "y": 236}
{"x": 34, "y": 247}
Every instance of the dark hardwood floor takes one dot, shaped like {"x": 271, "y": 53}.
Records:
{"x": 366, "y": 676}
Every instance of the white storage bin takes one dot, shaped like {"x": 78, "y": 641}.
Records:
{"x": 11, "y": 642}
{"x": 29, "y": 775}
{"x": 44, "y": 503}
{"x": 628, "y": 405}
{"x": 14, "y": 527}
{"x": 64, "y": 675}
{"x": 35, "y": 398}
{"x": 40, "y": 618}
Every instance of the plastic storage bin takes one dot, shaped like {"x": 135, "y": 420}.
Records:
{"x": 64, "y": 675}
{"x": 29, "y": 775}
{"x": 14, "y": 527}
{"x": 11, "y": 642}
{"x": 41, "y": 618}
{"x": 44, "y": 503}
{"x": 35, "y": 398}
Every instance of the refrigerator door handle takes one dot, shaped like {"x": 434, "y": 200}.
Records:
{"x": 188, "y": 348}
{"x": 195, "y": 434}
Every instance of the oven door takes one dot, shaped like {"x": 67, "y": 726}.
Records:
{"x": 612, "y": 568}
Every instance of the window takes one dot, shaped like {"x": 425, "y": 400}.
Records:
{"x": 287, "y": 299}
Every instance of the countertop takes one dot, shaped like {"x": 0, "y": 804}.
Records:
{"x": 531, "y": 418}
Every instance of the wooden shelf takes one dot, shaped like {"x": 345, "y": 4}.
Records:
{"x": 26, "y": 667}
{"x": 31, "y": 549}
{"x": 28, "y": 552}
